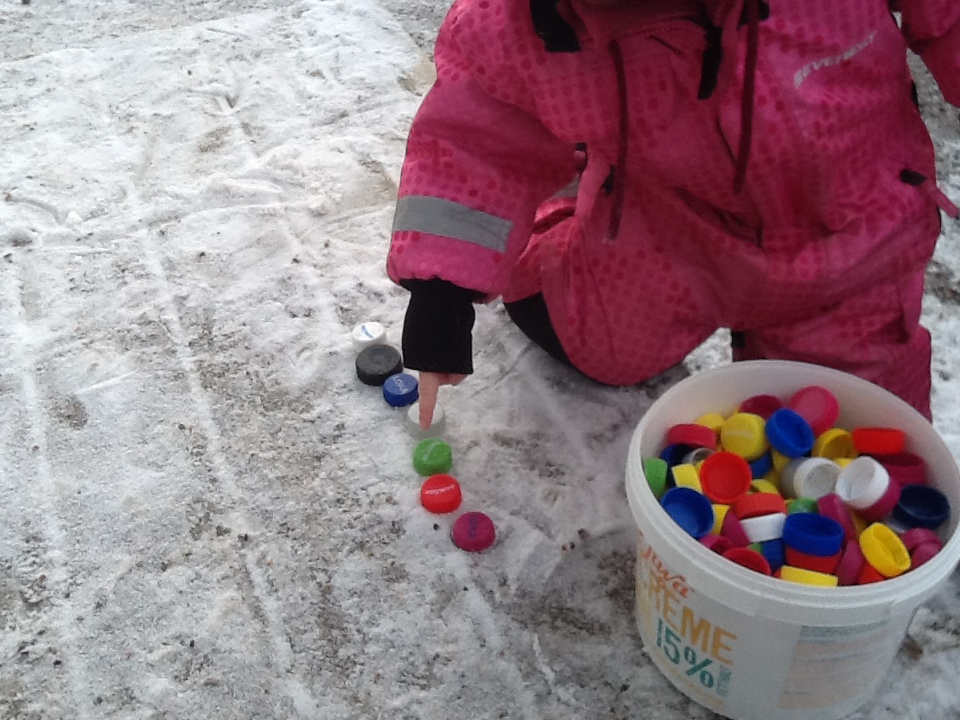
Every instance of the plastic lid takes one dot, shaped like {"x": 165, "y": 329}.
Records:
{"x": 834, "y": 443}
{"x": 775, "y": 553}
{"x": 922, "y": 553}
{"x": 814, "y": 477}
{"x": 764, "y": 527}
{"x": 862, "y": 483}
{"x": 717, "y": 543}
{"x": 674, "y": 453}
{"x": 401, "y": 390}
{"x": 732, "y": 529}
{"x": 817, "y": 405}
{"x": 693, "y": 435}
{"x": 905, "y": 468}
{"x": 884, "y": 506}
{"x": 378, "y": 362}
{"x": 869, "y": 574}
{"x": 711, "y": 420}
{"x": 719, "y": 513}
{"x": 742, "y": 434}
{"x": 879, "y": 440}
{"x": 440, "y": 494}
{"x": 697, "y": 455}
{"x": 762, "y": 405}
{"x": 655, "y": 471}
{"x": 757, "y": 504}
{"x": 922, "y": 506}
{"x": 918, "y": 536}
{"x": 884, "y": 550}
{"x": 850, "y": 565}
{"x": 473, "y": 532}
{"x": 750, "y": 559}
{"x": 826, "y": 564}
{"x": 689, "y": 509}
{"x": 367, "y": 334}
{"x": 833, "y": 507}
{"x": 724, "y": 477}
{"x": 801, "y": 505}
{"x": 437, "y": 424}
{"x": 764, "y": 486}
{"x": 685, "y": 475}
{"x": 813, "y": 534}
{"x": 432, "y": 457}
{"x": 789, "y": 433}
{"x": 762, "y": 465}
{"x": 807, "y": 577}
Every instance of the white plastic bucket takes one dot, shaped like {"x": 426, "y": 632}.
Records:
{"x": 749, "y": 646}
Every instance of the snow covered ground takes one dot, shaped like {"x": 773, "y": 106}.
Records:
{"x": 203, "y": 513}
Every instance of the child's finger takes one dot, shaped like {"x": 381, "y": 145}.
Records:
{"x": 429, "y": 387}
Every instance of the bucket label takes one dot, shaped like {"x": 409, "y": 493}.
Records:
{"x": 698, "y": 652}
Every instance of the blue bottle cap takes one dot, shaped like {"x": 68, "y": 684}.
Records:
{"x": 775, "y": 552}
{"x": 922, "y": 506}
{"x": 761, "y": 466}
{"x": 401, "y": 389}
{"x": 690, "y": 510}
{"x": 674, "y": 453}
{"x": 789, "y": 433}
{"x": 813, "y": 534}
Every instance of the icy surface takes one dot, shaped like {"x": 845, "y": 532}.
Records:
{"x": 203, "y": 513}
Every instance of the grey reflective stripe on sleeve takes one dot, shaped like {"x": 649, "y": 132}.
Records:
{"x": 453, "y": 220}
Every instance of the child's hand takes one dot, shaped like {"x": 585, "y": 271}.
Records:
{"x": 430, "y": 383}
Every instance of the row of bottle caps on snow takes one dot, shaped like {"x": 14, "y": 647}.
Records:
{"x": 776, "y": 487}
{"x": 380, "y": 365}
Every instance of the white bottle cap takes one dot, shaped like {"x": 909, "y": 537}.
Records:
{"x": 764, "y": 527}
{"x": 367, "y": 334}
{"x": 815, "y": 477}
{"x": 862, "y": 482}
{"x": 436, "y": 426}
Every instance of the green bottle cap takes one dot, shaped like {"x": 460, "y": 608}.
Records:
{"x": 655, "y": 471}
{"x": 802, "y": 505}
{"x": 432, "y": 457}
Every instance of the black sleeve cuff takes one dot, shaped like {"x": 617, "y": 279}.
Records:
{"x": 438, "y": 327}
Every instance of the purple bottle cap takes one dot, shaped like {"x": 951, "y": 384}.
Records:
{"x": 473, "y": 532}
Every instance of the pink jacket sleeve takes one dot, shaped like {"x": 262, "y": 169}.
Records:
{"x": 932, "y": 28}
{"x": 478, "y": 160}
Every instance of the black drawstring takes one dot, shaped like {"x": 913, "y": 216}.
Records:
{"x": 749, "y": 88}
{"x": 620, "y": 169}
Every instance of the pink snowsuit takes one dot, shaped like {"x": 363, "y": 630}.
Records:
{"x": 820, "y": 257}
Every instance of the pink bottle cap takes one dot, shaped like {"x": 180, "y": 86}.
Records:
{"x": 918, "y": 536}
{"x": 817, "y": 405}
{"x": 717, "y": 543}
{"x": 762, "y": 405}
{"x": 884, "y": 506}
{"x": 922, "y": 553}
{"x": 473, "y": 532}
{"x": 905, "y": 468}
{"x": 851, "y": 564}
{"x": 833, "y": 507}
{"x": 732, "y": 529}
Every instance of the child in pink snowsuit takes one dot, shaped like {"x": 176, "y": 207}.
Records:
{"x": 632, "y": 175}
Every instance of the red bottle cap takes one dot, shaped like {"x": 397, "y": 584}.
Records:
{"x": 725, "y": 477}
{"x": 762, "y": 405}
{"x": 879, "y": 440}
{"x": 757, "y": 504}
{"x": 692, "y": 435}
{"x": 868, "y": 574}
{"x": 750, "y": 559}
{"x": 440, "y": 494}
{"x": 818, "y": 563}
{"x": 905, "y": 468}
{"x": 717, "y": 543}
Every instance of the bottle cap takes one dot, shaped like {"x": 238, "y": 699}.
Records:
{"x": 750, "y": 559}
{"x": 689, "y": 509}
{"x": 717, "y": 543}
{"x": 763, "y": 527}
{"x": 826, "y": 564}
{"x": 378, "y": 362}
{"x": 764, "y": 486}
{"x": 834, "y": 443}
{"x": 366, "y": 334}
{"x": 674, "y": 453}
{"x": 775, "y": 553}
{"x": 851, "y": 564}
{"x": 693, "y": 435}
{"x": 762, "y": 465}
{"x": 685, "y": 475}
{"x": 918, "y": 536}
{"x": 719, "y": 513}
{"x": 807, "y": 577}
{"x": 697, "y": 455}
{"x": 712, "y": 421}
{"x": 436, "y": 427}
{"x": 473, "y": 532}
{"x": 655, "y": 471}
{"x": 432, "y": 457}
{"x": 801, "y": 505}
{"x": 884, "y": 506}
{"x": 862, "y": 483}
{"x": 440, "y": 494}
{"x": 905, "y": 468}
{"x": 811, "y": 477}
{"x": 884, "y": 550}
{"x": 833, "y": 507}
{"x": 762, "y": 405}
{"x": 813, "y": 534}
{"x": 743, "y": 434}
{"x": 922, "y": 506}
{"x": 879, "y": 440}
{"x": 817, "y": 405}
{"x": 732, "y": 529}
{"x": 922, "y": 553}
{"x": 789, "y": 433}
{"x": 756, "y": 504}
{"x": 869, "y": 574}
{"x": 401, "y": 389}
{"x": 724, "y": 477}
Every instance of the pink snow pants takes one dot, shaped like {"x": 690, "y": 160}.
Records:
{"x": 624, "y": 314}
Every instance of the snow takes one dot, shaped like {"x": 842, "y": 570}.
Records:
{"x": 204, "y": 513}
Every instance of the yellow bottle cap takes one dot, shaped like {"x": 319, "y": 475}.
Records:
{"x": 807, "y": 577}
{"x": 719, "y": 513}
{"x": 834, "y": 443}
{"x": 714, "y": 421}
{"x": 780, "y": 461}
{"x": 884, "y": 550}
{"x": 743, "y": 435}
{"x": 764, "y": 486}
{"x": 686, "y": 475}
